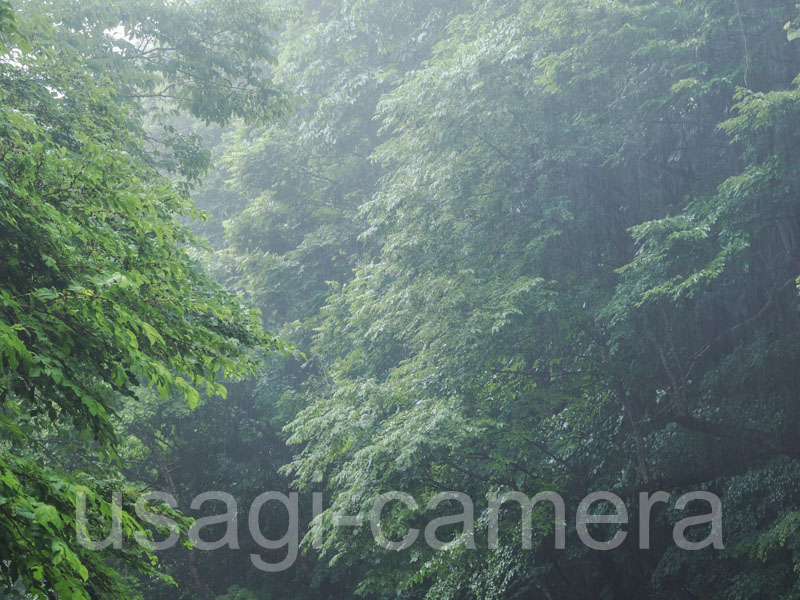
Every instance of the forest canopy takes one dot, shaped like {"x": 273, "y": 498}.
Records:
{"x": 338, "y": 249}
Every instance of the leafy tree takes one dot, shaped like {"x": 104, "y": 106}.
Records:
{"x": 100, "y": 290}
{"x": 527, "y": 245}
{"x": 567, "y": 295}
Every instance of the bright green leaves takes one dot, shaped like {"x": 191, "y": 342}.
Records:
{"x": 100, "y": 290}
{"x": 106, "y": 208}
{"x": 545, "y": 242}
{"x": 62, "y": 552}
{"x": 12, "y": 350}
{"x": 39, "y": 521}
{"x": 192, "y": 396}
{"x": 47, "y": 516}
{"x": 152, "y": 335}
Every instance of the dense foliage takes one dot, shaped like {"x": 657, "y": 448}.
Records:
{"x": 100, "y": 292}
{"x": 519, "y": 245}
